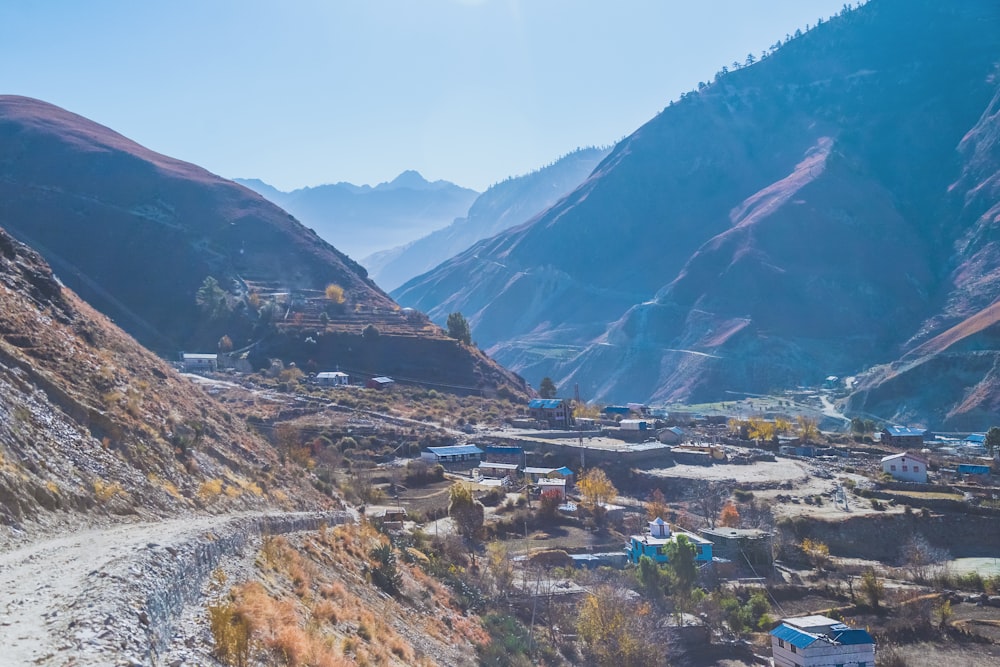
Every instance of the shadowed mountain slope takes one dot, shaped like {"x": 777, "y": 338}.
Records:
{"x": 182, "y": 258}
{"x": 806, "y": 215}
{"x": 502, "y": 206}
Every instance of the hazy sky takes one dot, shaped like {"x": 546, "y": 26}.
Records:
{"x": 304, "y": 92}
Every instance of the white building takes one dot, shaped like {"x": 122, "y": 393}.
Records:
{"x": 199, "y": 363}
{"x": 819, "y": 641}
{"x": 332, "y": 379}
{"x": 905, "y": 467}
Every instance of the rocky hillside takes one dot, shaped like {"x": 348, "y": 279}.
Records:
{"x": 185, "y": 260}
{"x": 501, "y": 207}
{"x": 361, "y": 220}
{"x": 823, "y": 210}
{"x": 94, "y": 425}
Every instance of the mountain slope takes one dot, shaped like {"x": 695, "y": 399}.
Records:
{"x": 794, "y": 219}
{"x": 94, "y": 424}
{"x": 362, "y": 220}
{"x": 502, "y": 206}
{"x": 185, "y": 260}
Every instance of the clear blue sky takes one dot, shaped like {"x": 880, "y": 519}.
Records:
{"x": 304, "y": 92}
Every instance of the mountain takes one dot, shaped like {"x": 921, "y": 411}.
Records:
{"x": 185, "y": 260}
{"x": 362, "y": 220}
{"x": 824, "y": 210}
{"x": 502, "y": 206}
{"x": 95, "y": 424}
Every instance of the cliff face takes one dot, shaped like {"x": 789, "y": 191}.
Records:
{"x": 824, "y": 210}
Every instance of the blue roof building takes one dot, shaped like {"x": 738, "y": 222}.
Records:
{"x": 556, "y": 412}
{"x": 815, "y": 641}
{"x": 655, "y": 542}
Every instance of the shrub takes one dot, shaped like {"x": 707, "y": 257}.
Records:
{"x": 230, "y": 634}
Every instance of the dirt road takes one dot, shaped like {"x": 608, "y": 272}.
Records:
{"x": 98, "y": 596}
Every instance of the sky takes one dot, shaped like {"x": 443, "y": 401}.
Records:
{"x": 305, "y": 92}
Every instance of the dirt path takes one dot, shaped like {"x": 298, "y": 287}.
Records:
{"x": 65, "y": 600}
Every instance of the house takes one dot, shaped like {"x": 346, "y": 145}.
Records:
{"x": 199, "y": 363}
{"x": 451, "y": 454}
{"x": 495, "y": 470}
{"x": 380, "y": 382}
{"x": 653, "y": 544}
{"x": 552, "y": 484}
{"x": 671, "y": 436}
{"x": 974, "y": 469}
{"x": 556, "y": 412}
{"x": 741, "y": 545}
{"x": 905, "y": 467}
{"x": 814, "y": 641}
{"x": 903, "y": 437}
{"x": 534, "y": 475}
{"x": 332, "y": 379}
{"x": 976, "y": 440}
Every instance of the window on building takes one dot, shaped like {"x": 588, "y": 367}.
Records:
{"x": 794, "y": 650}
{"x": 916, "y": 468}
{"x": 892, "y": 468}
{"x": 904, "y": 468}
{"x": 781, "y": 643}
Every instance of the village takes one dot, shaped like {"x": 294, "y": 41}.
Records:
{"x": 808, "y": 546}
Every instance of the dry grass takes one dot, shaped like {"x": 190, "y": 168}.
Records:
{"x": 318, "y": 606}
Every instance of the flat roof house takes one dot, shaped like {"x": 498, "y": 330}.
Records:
{"x": 199, "y": 363}
{"x": 819, "y": 641}
{"x": 653, "y": 543}
{"x": 451, "y": 454}
{"x": 332, "y": 379}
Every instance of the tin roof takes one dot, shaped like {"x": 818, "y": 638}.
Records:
{"x": 904, "y": 431}
{"x": 455, "y": 450}
{"x": 547, "y": 403}
{"x": 794, "y": 636}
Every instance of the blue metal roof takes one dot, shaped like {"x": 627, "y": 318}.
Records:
{"x": 977, "y": 438}
{"x": 548, "y": 403}
{"x": 851, "y": 637}
{"x": 794, "y": 636}
{"x": 904, "y": 430}
{"x": 455, "y": 450}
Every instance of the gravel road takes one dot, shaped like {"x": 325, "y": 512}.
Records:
{"x": 108, "y": 596}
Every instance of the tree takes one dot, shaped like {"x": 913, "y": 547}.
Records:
{"x": 225, "y": 344}
{"x": 871, "y": 588}
{"x": 595, "y": 488}
{"x": 709, "y": 503}
{"x": 370, "y": 332}
{"x": 808, "y": 430}
{"x": 335, "y": 293}
{"x": 212, "y": 299}
{"x": 616, "y": 631}
{"x": 750, "y": 59}
{"x": 919, "y": 557}
{"x": 729, "y": 516}
{"x": 548, "y": 505}
{"x": 458, "y": 328}
{"x": 760, "y": 429}
{"x": 681, "y": 554}
{"x": 992, "y": 441}
{"x": 655, "y": 582}
{"x": 467, "y": 513}
{"x": 817, "y": 552}
{"x": 547, "y": 388}
{"x": 656, "y": 505}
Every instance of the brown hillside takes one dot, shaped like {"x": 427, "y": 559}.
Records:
{"x": 93, "y": 423}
